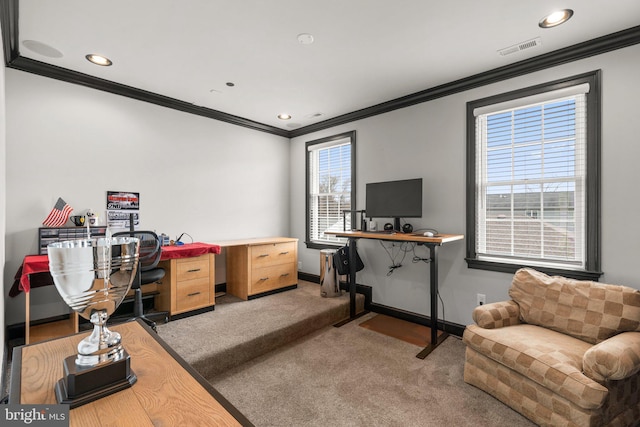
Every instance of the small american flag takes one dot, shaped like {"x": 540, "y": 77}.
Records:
{"x": 59, "y": 215}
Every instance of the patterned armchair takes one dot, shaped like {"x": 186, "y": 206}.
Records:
{"x": 562, "y": 352}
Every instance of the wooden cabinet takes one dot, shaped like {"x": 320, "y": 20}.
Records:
{"x": 258, "y": 266}
{"x": 188, "y": 285}
{"x": 48, "y": 330}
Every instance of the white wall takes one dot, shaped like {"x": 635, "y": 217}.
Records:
{"x": 428, "y": 140}
{"x": 212, "y": 180}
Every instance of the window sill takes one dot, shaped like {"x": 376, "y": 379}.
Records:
{"x": 512, "y": 268}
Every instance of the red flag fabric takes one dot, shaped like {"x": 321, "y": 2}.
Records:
{"x": 59, "y": 215}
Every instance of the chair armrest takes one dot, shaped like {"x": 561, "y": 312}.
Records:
{"x": 615, "y": 358}
{"x": 497, "y": 314}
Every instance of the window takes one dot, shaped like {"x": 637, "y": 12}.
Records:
{"x": 533, "y": 185}
{"x": 330, "y": 167}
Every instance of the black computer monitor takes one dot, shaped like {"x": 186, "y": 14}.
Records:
{"x": 394, "y": 199}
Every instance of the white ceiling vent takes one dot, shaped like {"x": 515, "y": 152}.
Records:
{"x": 529, "y": 44}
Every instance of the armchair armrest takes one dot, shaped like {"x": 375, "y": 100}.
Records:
{"x": 615, "y": 358}
{"x": 497, "y": 314}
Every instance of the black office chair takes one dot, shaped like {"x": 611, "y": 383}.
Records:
{"x": 148, "y": 272}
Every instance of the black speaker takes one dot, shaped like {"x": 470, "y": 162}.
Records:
{"x": 388, "y": 227}
{"x": 407, "y": 228}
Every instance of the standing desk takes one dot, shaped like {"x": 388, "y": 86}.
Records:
{"x": 433, "y": 243}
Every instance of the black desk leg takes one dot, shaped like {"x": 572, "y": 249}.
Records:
{"x": 352, "y": 278}
{"x": 433, "y": 288}
{"x": 352, "y": 285}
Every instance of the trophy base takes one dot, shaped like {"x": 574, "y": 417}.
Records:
{"x": 81, "y": 385}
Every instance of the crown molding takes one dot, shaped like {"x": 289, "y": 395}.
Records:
{"x": 63, "y": 74}
{"x": 10, "y": 32}
{"x": 576, "y": 52}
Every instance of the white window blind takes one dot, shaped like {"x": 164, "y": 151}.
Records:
{"x": 329, "y": 189}
{"x": 530, "y": 180}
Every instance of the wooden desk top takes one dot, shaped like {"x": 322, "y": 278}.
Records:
{"x": 168, "y": 391}
{"x": 399, "y": 237}
{"x": 255, "y": 241}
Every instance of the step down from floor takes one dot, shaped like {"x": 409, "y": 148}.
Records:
{"x": 238, "y": 331}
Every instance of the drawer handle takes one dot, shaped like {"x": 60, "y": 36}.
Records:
{"x": 194, "y": 270}
{"x": 284, "y": 275}
{"x": 193, "y": 294}
{"x": 262, "y": 279}
{"x": 284, "y": 253}
{"x": 263, "y": 255}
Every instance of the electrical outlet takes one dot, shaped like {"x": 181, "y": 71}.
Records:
{"x": 482, "y": 299}
{"x": 299, "y": 265}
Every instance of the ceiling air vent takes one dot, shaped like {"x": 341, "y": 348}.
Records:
{"x": 529, "y": 44}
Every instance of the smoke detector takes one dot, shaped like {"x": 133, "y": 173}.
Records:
{"x": 529, "y": 44}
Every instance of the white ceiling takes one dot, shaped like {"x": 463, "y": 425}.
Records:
{"x": 365, "y": 51}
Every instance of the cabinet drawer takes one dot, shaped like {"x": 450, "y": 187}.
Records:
{"x": 192, "y": 294}
{"x": 192, "y": 268}
{"x": 274, "y": 277}
{"x": 272, "y": 254}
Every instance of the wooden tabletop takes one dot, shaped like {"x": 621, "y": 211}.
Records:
{"x": 255, "y": 241}
{"x": 168, "y": 391}
{"x": 398, "y": 237}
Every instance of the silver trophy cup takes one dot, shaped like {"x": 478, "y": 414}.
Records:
{"x": 93, "y": 276}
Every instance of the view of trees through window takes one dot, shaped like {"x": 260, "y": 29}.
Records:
{"x": 329, "y": 192}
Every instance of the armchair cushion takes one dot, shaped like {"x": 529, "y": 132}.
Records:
{"x": 613, "y": 359}
{"x": 497, "y": 315}
{"x": 586, "y": 310}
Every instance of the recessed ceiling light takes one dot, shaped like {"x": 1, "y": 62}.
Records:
{"x": 556, "y": 18}
{"x": 305, "y": 38}
{"x": 99, "y": 59}
{"x": 284, "y": 116}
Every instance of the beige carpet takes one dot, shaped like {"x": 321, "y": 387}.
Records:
{"x": 351, "y": 376}
{"x": 237, "y": 331}
{"x": 281, "y": 363}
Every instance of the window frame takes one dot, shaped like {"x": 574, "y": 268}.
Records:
{"x": 351, "y": 135}
{"x": 592, "y": 270}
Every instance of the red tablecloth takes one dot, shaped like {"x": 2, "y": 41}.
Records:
{"x": 188, "y": 250}
{"x": 32, "y": 264}
{"x": 40, "y": 263}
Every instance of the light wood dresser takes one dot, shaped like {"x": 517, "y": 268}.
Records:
{"x": 257, "y": 267}
{"x": 188, "y": 285}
